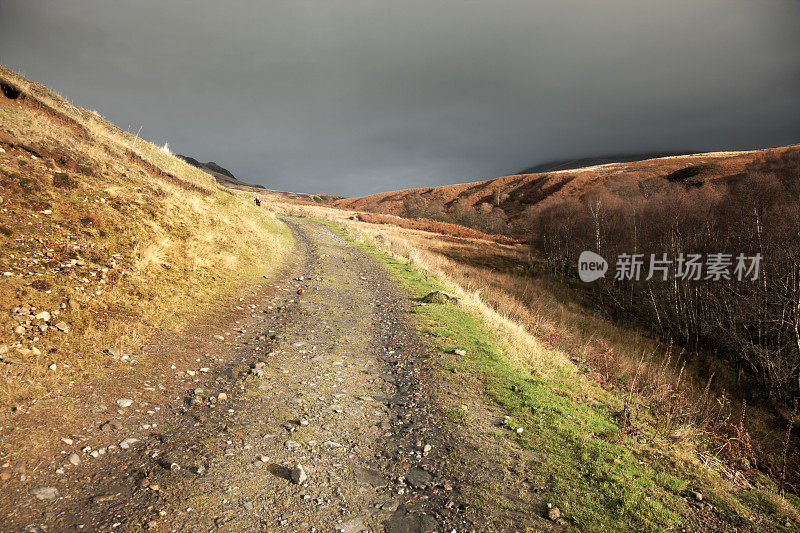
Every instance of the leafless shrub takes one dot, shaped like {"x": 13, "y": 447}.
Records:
{"x": 754, "y": 324}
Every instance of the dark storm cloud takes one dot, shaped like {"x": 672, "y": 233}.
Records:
{"x": 353, "y": 97}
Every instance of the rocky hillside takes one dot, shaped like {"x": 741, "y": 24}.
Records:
{"x": 104, "y": 238}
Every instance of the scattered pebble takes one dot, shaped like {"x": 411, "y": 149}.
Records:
{"x": 553, "y": 513}
{"x": 298, "y": 474}
{"x": 49, "y": 494}
{"x": 128, "y": 442}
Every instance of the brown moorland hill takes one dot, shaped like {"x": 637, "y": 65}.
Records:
{"x": 514, "y": 194}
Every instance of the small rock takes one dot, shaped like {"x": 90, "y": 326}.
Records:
{"x": 369, "y": 476}
{"x": 553, "y": 513}
{"x": 62, "y": 326}
{"x": 124, "y": 402}
{"x": 128, "y": 442}
{"x": 44, "y": 315}
{"x": 418, "y": 478}
{"x": 67, "y": 441}
{"x": 298, "y": 474}
{"x": 49, "y": 494}
{"x": 219, "y": 337}
{"x": 74, "y": 459}
{"x": 440, "y": 297}
{"x": 460, "y": 352}
{"x": 53, "y": 367}
{"x": 697, "y": 496}
{"x": 222, "y": 396}
{"x": 357, "y": 525}
{"x": 110, "y": 425}
{"x": 519, "y": 431}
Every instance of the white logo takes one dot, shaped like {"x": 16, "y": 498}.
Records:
{"x": 591, "y": 266}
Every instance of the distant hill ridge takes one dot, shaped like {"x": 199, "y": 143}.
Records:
{"x": 570, "y": 164}
{"x": 226, "y": 178}
{"x": 222, "y": 175}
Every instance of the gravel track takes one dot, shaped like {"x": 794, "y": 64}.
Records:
{"x": 328, "y": 377}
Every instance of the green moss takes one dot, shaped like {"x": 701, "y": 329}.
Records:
{"x": 460, "y": 415}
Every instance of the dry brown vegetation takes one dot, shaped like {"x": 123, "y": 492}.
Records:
{"x": 499, "y": 205}
{"x": 109, "y": 235}
{"x": 435, "y": 226}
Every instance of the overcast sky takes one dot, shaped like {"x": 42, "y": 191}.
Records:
{"x": 354, "y": 97}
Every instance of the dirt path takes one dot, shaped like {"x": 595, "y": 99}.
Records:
{"x": 327, "y": 378}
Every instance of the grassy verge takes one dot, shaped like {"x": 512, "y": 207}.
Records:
{"x": 603, "y": 473}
